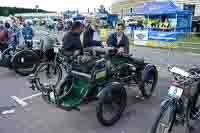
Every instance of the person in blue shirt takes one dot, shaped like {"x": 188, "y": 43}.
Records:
{"x": 14, "y": 36}
{"x": 4, "y": 38}
{"x": 28, "y": 34}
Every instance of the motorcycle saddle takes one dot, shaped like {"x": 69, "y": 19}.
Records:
{"x": 136, "y": 61}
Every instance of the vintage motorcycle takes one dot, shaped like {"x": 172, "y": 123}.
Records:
{"x": 180, "y": 106}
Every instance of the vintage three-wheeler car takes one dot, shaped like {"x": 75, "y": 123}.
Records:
{"x": 101, "y": 74}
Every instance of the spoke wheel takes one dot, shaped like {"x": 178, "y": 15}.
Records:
{"x": 48, "y": 74}
{"x": 164, "y": 120}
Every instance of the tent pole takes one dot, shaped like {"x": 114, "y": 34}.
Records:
{"x": 190, "y": 23}
{"x": 176, "y": 22}
{"x": 148, "y": 23}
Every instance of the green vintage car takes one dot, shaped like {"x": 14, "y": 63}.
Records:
{"x": 102, "y": 74}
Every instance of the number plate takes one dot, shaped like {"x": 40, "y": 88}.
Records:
{"x": 56, "y": 50}
{"x": 101, "y": 74}
{"x": 175, "y": 92}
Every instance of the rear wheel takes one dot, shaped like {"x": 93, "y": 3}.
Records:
{"x": 165, "y": 120}
{"x": 112, "y": 105}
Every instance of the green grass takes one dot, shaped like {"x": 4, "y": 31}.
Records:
{"x": 191, "y": 38}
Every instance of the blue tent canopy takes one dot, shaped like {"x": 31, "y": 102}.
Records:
{"x": 153, "y": 10}
{"x": 158, "y": 8}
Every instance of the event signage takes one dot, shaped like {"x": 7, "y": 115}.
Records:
{"x": 140, "y": 37}
{"x": 163, "y": 36}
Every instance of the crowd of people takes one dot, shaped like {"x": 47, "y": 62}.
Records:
{"x": 11, "y": 32}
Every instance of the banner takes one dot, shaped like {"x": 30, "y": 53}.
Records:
{"x": 162, "y": 36}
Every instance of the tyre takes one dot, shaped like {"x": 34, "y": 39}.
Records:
{"x": 25, "y": 62}
{"x": 190, "y": 117}
{"x": 165, "y": 119}
{"x": 113, "y": 102}
{"x": 193, "y": 112}
{"x": 48, "y": 70}
{"x": 148, "y": 84}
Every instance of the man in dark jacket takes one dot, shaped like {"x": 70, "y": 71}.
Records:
{"x": 71, "y": 40}
{"x": 88, "y": 35}
{"x": 119, "y": 40}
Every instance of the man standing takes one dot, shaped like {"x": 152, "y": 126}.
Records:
{"x": 71, "y": 39}
{"x": 28, "y": 34}
{"x": 119, "y": 40}
{"x": 89, "y": 39}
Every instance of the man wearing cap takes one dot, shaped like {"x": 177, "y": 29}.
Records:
{"x": 119, "y": 40}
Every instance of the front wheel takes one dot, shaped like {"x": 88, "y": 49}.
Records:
{"x": 111, "y": 105}
{"x": 48, "y": 74}
{"x": 193, "y": 109}
{"x": 165, "y": 119}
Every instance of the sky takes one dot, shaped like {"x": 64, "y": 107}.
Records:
{"x": 58, "y": 5}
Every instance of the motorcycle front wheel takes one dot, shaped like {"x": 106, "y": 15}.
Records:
{"x": 48, "y": 73}
{"x": 165, "y": 119}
